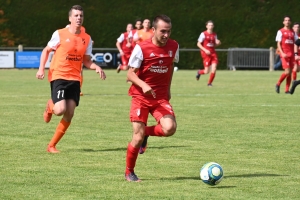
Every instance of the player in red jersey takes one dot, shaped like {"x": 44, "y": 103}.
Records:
{"x": 72, "y": 48}
{"x": 207, "y": 42}
{"x": 285, "y": 39}
{"x": 151, "y": 70}
{"x": 125, "y": 48}
{"x": 138, "y": 26}
{"x": 297, "y": 62}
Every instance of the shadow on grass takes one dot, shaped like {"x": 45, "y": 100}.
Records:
{"x": 252, "y": 175}
{"x": 125, "y": 148}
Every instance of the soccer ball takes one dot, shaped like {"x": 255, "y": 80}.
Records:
{"x": 211, "y": 173}
{"x": 175, "y": 69}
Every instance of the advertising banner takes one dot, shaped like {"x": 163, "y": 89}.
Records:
{"x": 106, "y": 59}
{"x": 28, "y": 59}
{"x": 7, "y": 59}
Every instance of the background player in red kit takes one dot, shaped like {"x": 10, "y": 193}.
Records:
{"x": 138, "y": 26}
{"x": 125, "y": 48}
{"x": 207, "y": 42}
{"x": 150, "y": 71}
{"x": 297, "y": 62}
{"x": 285, "y": 39}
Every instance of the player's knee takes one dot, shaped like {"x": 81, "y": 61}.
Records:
{"x": 59, "y": 111}
{"x": 169, "y": 129}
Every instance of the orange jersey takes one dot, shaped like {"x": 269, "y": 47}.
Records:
{"x": 144, "y": 35}
{"x": 67, "y": 60}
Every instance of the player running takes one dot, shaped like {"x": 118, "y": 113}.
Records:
{"x": 207, "y": 42}
{"x": 151, "y": 70}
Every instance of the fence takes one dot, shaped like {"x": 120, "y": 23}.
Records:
{"x": 250, "y": 58}
{"x": 237, "y": 58}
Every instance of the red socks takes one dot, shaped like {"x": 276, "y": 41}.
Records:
{"x": 154, "y": 131}
{"x": 131, "y": 157}
{"x": 282, "y": 77}
{"x": 211, "y": 78}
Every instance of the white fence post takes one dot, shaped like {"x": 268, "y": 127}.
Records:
{"x": 271, "y": 67}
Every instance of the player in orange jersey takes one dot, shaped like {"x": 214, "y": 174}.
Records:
{"x": 145, "y": 33}
{"x": 151, "y": 66}
{"x": 207, "y": 42}
{"x": 81, "y": 77}
{"x": 72, "y": 48}
{"x": 125, "y": 48}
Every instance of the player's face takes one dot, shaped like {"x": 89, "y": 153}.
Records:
{"x": 138, "y": 25}
{"x": 129, "y": 27}
{"x": 210, "y": 26}
{"x": 76, "y": 18}
{"x": 162, "y": 32}
{"x": 296, "y": 28}
{"x": 286, "y": 21}
{"x": 146, "y": 23}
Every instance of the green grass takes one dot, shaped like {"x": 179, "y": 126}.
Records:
{"x": 241, "y": 123}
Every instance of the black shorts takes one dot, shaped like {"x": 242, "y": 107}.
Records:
{"x": 64, "y": 89}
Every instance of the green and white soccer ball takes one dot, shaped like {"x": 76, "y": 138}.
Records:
{"x": 211, "y": 173}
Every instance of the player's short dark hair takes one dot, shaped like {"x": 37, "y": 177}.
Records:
{"x": 75, "y": 7}
{"x": 296, "y": 23}
{"x": 288, "y": 17}
{"x": 162, "y": 17}
{"x": 138, "y": 20}
{"x": 209, "y": 21}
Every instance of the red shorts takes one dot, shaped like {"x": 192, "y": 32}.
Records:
{"x": 209, "y": 59}
{"x": 140, "y": 109}
{"x": 125, "y": 59}
{"x": 287, "y": 62}
{"x": 297, "y": 62}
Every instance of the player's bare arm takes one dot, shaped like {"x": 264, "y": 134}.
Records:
{"x": 91, "y": 65}
{"x": 202, "y": 48}
{"x": 119, "y": 48}
{"x": 44, "y": 57}
{"x": 131, "y": 76}
{"x": 218, "y": 42}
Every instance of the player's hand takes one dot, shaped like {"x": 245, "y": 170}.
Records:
{"x": 101, "y": 73}
{"x": 128, "y": 45}
{"x": 297, "y": 57}
{"x": 148, "y": 90}
{"x": 121, "y": 53}
{"x": 207, "y": 52}
{"x": 283, "y": 55}
{"x": 218, "y": 42}
{"x": 40, "y": 74}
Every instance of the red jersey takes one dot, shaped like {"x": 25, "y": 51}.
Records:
{"x": 208, "y": 41}
{"x": 132, "y": 34}
{"x": 287, "y": 41}
{"x": 298, "y": 47}
{"x": 155, "y": 68}
{"x": 123, "y": 39}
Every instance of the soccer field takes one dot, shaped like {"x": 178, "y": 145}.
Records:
{"x": 240, "y": 123}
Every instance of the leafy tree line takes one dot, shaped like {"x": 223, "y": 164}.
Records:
{"x": 248, "y": 23}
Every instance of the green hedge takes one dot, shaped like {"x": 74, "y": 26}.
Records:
{"x": 238, "y": 23}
